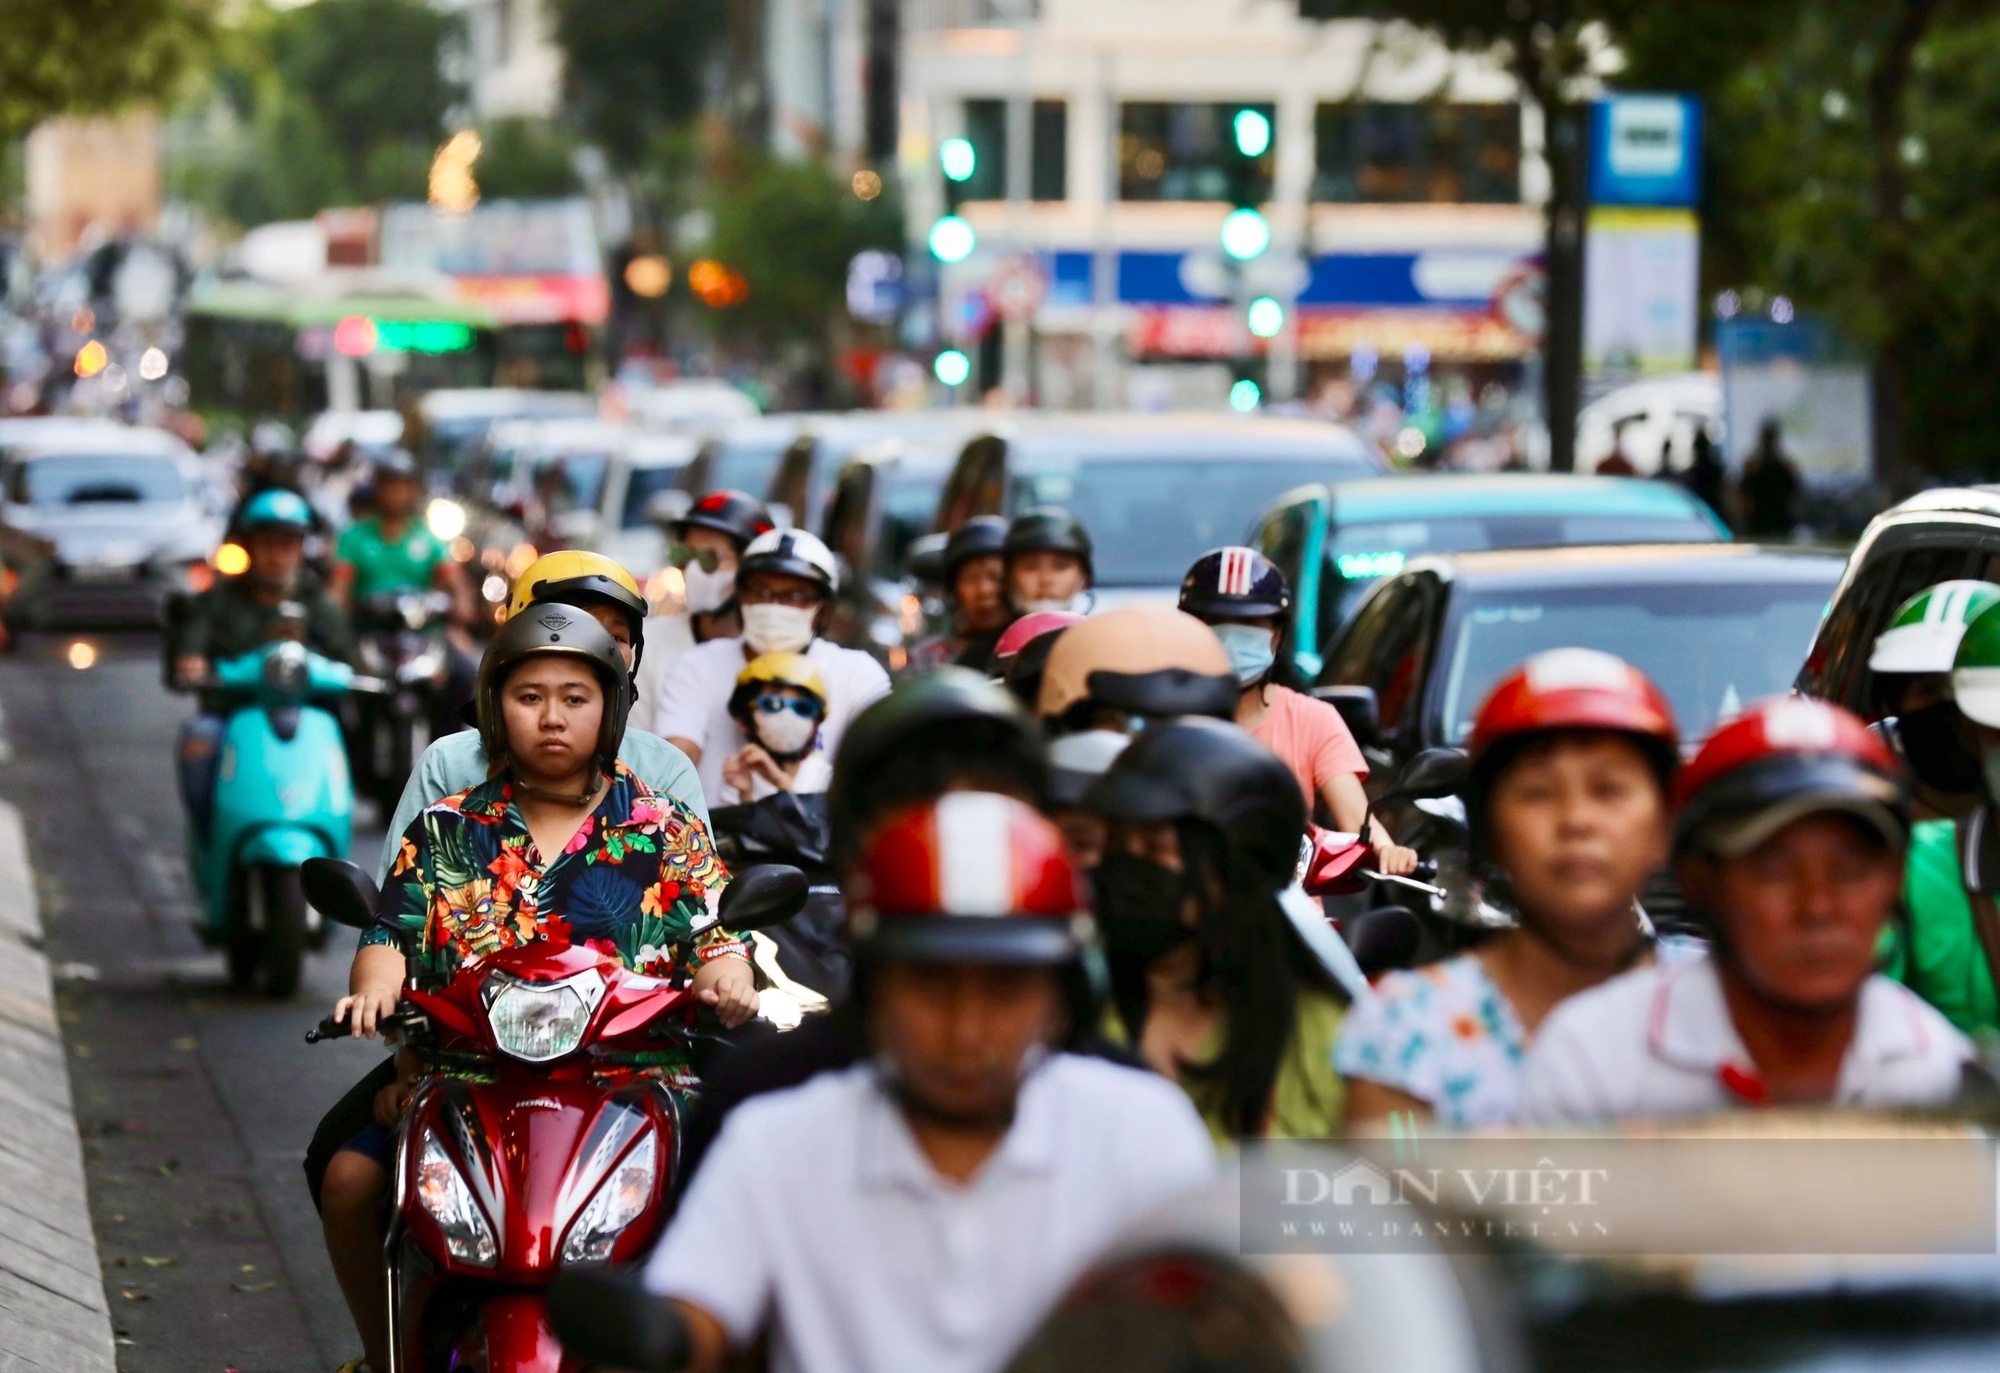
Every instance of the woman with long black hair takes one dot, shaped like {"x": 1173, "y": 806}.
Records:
{"x": 1211, "y": 984}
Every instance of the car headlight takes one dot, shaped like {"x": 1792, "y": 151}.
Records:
{"x": 620, "y": 1201}
{"x": 448, "y": 1201}
{"x": 538, "y": 1021}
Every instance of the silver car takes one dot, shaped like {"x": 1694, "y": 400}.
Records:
{"x": 100, "y": 520}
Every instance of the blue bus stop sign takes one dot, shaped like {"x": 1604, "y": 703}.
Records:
{"x": 1645, "y": 150}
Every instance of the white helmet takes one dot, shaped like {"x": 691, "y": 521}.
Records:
{"x": 793, "y": 552}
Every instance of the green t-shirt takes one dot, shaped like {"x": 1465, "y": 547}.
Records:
{"x": 1943, "y": 962}
{"x": 380, "y": 566}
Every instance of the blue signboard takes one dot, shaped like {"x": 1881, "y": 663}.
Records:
{"x": 1442, "y": 277}
{"x": 1645, "y": 150}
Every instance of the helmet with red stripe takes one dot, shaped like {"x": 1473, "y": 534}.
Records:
{"x": 738, "y": 514}
{"x": 1234, "y": 583}
{"x": 1780, "y": 760}
{"x": 969, "y": 877}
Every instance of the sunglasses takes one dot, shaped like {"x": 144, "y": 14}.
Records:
{"x": 680, "y": 555}
{"x": 800, "y": 706}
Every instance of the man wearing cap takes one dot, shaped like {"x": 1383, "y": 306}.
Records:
{"x": 1789, "y": 841}
{"x": 924, "y": 1208}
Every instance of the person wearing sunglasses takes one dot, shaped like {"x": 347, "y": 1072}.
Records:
{"x": 779, "y": 702}
{"x": 705, "y": 546}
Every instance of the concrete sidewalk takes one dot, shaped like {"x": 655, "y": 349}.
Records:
{"x": 52, "y": 1304}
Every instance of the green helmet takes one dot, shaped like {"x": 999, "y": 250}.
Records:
{"x": 1975, "y": 672}
{"x": 1925, "y": 633}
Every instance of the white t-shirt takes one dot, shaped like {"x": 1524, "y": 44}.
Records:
{"x": 815, "y": 774}
{"x": 1658, "y": 1042}
{"x": 693, "y": 702}
{"x": 667, "y": 638}
{"x": 817, "y": 1212}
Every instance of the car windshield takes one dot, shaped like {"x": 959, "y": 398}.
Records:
{"x": 744, "y": 466}
{"x": 1150, "y": 518}
{"x": 571, "y": 481}
{"x": 89, "y": 480}
{"x": 640, "y": 488}
{"x": 909, "y": 504}
{"x": 1711, "y": 649}
{"x": 1360, "y": 554}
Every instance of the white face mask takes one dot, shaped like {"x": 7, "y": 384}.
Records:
{"x": 1039, "y": 607}
{"x": 784, "y": 732}
{"x": 778, "y": 628}
{"x": 708, "y": 592}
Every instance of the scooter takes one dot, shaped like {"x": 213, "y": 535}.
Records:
{"x": 282, "y": 795}
{"x": 537, "y": 1140}
{"x": 400, "y": 644}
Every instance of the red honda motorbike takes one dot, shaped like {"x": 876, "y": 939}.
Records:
{"x": 542, "y": 1134}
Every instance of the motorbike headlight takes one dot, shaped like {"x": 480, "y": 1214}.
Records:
{"x": 538, "y": 1021}
{"x": 448, "y": 1201}
{"x": 620, "y": 1201}
{"x": 285, "y": 671}
{"x": 446, "y": 518}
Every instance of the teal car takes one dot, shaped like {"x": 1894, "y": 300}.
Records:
{"x": 1334, "y": 540}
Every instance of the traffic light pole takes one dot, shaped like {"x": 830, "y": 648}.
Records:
{"x": 1567, "y": 144}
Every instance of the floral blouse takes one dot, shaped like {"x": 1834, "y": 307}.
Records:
{"x": 468, "y": 881}
{"x": 1444, "y": 1034}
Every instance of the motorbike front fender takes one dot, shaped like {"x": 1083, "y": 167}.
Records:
{"x": 518, "y": 1338}
{"x": 282, "y": 846}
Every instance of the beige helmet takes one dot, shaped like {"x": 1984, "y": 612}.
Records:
{"x": 1148, "y": 660}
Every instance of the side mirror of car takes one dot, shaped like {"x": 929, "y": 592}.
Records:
{"x": 1433, "y": 773}
{"x": 1358, "y": 707}
{"x": 1384, "y": 938}
{"x": 605, "y": 1318}
{"x": 768, "y": 894}
{"x": 340, "y": 890}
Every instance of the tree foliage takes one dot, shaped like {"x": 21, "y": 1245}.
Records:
{"x": 92, "y": 56}
{"x": 633, "y": 68}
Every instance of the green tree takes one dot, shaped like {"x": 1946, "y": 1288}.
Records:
{"x": 635, "y": 67}
{"x": 373, "y": 73}
{"x": 525, "y": 158}
{"x": 90, "y": 56}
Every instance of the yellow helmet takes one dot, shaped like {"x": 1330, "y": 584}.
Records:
{"x": 572, "y": 576}
{"x": 783, "y": 669}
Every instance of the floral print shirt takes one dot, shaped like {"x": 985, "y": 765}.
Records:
{"x": 468, "y": 881}
{"x": 1446, "y": 1035}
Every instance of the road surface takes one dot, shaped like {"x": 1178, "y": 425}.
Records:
{"x": 195, "y": 1103}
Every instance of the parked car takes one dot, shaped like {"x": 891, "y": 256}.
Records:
{"x": 883, "y": 502}
{"x": 1334, "y": 540}
{"x": 743, "y": 457}
{"x": 639, "y": 496}
{"x": 803, "y": 481}
{"x": 1155, "y": 491}
{"x": 692, "y": 406}
{"x": 1715, "y": 625}
{"x": 1932, "y": 537}
{"x": 101, "y": 520}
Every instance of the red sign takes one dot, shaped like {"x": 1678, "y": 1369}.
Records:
{"x": 548, "y": 298}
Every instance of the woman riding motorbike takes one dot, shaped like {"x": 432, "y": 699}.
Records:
{"x": 1573, "y": 755}
{"x": 561, "y": 841}
{"x": 1211, "y": 984}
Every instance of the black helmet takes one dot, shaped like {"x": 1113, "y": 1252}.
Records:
{"x": 546, "y": 627}
{"x": 948, "y": 726}
{"x": 1212, "y": 773}
{"x": 1234, "y": 583}
{"x": 1050, "y": 528}
{"x": 736, "y": 513}
{"x": 979, "y": 537}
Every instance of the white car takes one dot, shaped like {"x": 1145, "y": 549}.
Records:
{"x": 104, "y": 519}
{"x": 639, "y": 496}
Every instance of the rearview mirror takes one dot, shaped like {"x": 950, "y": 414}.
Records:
{"x": 1384, "y": 938}
{"x": 926, "y": 559}
{"x": 1357, "y": 706}
{"x": 605, "y": 1318}
{"x": 768, "y": 894}
{"x": 1434, "y": 772}
{"x": 341, "y": 891}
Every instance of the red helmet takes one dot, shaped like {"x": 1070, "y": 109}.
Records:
{"x": 1562, "y": 689}
{"x": 1573, "y": 688}
{"x": 969, "y": 877}
{"x": 1782, "y": 759}
{"x": 1029, "y": 628}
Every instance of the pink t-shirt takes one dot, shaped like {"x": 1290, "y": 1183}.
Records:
{"x": 1312, "y": 739}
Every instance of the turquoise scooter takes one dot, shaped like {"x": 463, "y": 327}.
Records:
{"x": 282, "y": 795}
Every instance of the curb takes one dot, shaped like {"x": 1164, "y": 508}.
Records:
{"x": 53, "y": 1313}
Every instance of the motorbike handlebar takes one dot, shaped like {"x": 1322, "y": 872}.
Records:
{"x": 329, "y": 1028}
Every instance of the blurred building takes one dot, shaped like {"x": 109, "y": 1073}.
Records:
{"x": 91, "y": 179}
{"x": 511, "y": 64}
{"x": 1400, "y": 184}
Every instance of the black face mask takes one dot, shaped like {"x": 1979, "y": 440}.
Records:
{"x": 1139, "y": 907}
{"x": 1936, "y": 753}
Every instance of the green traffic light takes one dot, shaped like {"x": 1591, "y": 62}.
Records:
{"x": 1253, "y": 133}
{"x": 1266, "y": 317}
{"x": 952, "y": 367}
{"x": 1245, "y": 396}
{"x": 1245, "y": 234}
{"x": 951, "y": 239}
{"x": 958, "y": 159}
